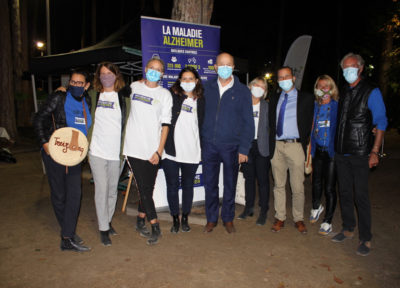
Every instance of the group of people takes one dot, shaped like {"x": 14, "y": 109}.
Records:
{"x": 220, "y": 121}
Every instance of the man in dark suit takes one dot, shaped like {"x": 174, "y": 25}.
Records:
{"x": 291, "y": 116}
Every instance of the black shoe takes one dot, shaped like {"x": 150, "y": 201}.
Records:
{"x": 247, "y": 212}
{"x": 78, "y": 239}
{"x": 70, "y": 245}
{"x": 175, "y": 224}
{"x": 141, "y": 227}
{"x": 184, "y": 223}
{"x": 105, "y": 238}
{"x": 155, "y": 234}
{"x": 112, "y": 232}
{"x": 261, "y": 219}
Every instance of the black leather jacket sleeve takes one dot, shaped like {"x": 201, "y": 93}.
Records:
{"x": 43, "y": 120}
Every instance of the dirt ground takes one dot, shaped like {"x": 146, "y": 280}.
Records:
{"x": 252, "y": 257}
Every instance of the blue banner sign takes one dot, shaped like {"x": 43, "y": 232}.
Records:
{"x": 180, "y": 44}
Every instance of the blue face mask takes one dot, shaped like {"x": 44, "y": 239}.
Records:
{"x": 153, "y": 75}
{"x": 76, "y": 91}
{"x": 188, "y": 86}
{"x": 350, "y": 74}
{"x": 286, "y": 85}
{"x": 224, "y": 71}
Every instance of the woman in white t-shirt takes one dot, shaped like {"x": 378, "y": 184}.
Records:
{"x": 182, "y": 149}
{"x": 104, "y": 153}
{"x": 145, "y": 136}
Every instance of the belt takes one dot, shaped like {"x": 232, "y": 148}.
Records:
{"x": 295, "y": 140}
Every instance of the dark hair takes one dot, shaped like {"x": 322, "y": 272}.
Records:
{"x": 198, "y": 90}
{"x": 287, "y": 67}
{"x": 82, "y": 72}
{"x": 119, "y": 81}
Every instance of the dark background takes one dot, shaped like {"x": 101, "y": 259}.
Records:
{"x": 259, "y": 31}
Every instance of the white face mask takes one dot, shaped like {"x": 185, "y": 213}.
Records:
{"x": 350, "y": 74}
{"x": 188, "y": 86}
{"x": 257, "y": 91}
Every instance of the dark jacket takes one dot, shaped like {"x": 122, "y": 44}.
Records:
{"x": 176, "y": 111}
{"x": 354, "y": 128}
{"x": 43, "y": 119}
{"x": 228, "y": 119}
{"x": 305, "y": 112}
{"x": 263, "y": 130}
{"x": 332, "y": 129}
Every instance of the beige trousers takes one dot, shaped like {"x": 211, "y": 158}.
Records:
{"x": 288, "y": 156}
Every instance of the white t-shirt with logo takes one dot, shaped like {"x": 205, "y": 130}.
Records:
{"x": 186, "y": 134}
{"x": 256, "y": 117}
{"x": 106, "y": 136}
{"x": 150, "y": 107}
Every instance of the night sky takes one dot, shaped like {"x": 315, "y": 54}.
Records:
{"x": 260, "y": 31}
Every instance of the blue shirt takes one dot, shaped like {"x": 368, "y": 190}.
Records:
{"x": 322, "y": 124}
{"x": 290, "y": 129}
{"x": 74, "y": 114}
{"x": 378, "y": 110}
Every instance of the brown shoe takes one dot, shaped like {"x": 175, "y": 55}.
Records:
{"x": 301, "y": 227}
{"x": 278, "y": 225}
{"x": 229, "y": 227}
{"x": 209, "y": 227}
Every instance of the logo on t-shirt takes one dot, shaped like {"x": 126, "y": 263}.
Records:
{"x": 142, "y": 98}
{"x": 105, "y": 104}
{"x": 187, "y": 108}
{"x": 255, "y": 114}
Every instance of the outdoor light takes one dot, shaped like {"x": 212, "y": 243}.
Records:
{"x": 267, "y": 75}
{"x": 40, "y": 45}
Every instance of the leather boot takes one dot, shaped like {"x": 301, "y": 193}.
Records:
{"x": 155, "y": 234}
{"x": 141, "y": 227}
{"x": 184, "y": 223}
{"x": 175, "y": 224}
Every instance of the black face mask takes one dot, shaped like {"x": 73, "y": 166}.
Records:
{"x": 77, "y": 92}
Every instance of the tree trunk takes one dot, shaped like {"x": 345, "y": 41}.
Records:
{"x": 7, "y": 109}
{"x": 193, "y": 11}
{"x": 386, "y": 61}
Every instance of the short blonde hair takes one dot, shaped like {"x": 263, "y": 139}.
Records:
{"x": 331, "y": 83}
{"x": 261, "y": 79}
{"x": 156, "y": 59}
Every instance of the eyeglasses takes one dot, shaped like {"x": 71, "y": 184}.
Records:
{"x": 76, "y": 83}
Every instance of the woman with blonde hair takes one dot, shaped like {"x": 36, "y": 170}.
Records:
{"x": 322, "y": 151}
{"x": 105, "y": 144}
{"x": 258, "y": 164}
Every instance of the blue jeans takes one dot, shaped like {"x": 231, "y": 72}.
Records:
{"x": 213, "y": 155}
{"x": 171, "y": 171}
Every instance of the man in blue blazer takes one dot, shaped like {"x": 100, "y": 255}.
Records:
{"x": 227, "y": 133}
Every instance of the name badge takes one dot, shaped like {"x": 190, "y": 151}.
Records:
{"x": 325, "y": 123}
{"x": 79, "y": 121}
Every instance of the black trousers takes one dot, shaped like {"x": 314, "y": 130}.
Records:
{"x": 145, "y": 174}
{"x": 352, "y": 172}
{"x": 66, "y": 192}
{"x": 257, "y": 168}
{"x": 324, "y": 179}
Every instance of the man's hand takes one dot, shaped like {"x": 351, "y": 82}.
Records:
{"x": 373, "y": 160}
{"x": 46, "y": 148}
{"x": 243, "y": 158}
{"x": 62, "y": 89}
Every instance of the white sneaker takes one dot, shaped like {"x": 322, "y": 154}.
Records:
{"x": 325, "y": 229}
{"x": 315, "y": 213}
